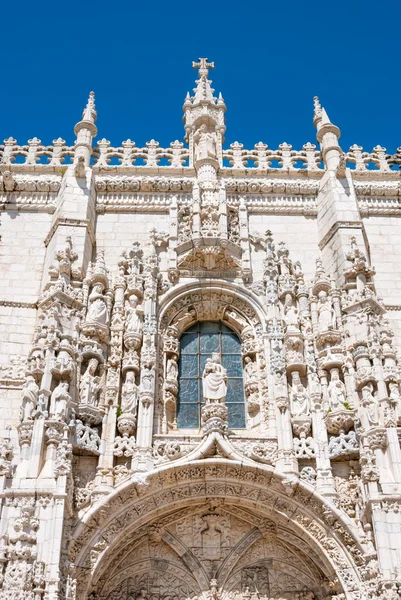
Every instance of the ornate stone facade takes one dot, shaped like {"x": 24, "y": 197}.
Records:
{"x": 199, "y": 380}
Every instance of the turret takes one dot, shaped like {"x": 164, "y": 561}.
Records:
{"x": 85, "y": 131}
{"x": 204, "y": 119}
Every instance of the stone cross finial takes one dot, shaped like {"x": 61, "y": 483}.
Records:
{"x": 203, "y": 66}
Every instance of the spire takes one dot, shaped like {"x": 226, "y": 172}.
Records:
{"x": 90, "y": 113}
{"x": 317, "y": 111}
{"x": 85, "y": 131}
{"x": 203, "y": 90}
{"x": 327, "y": 135}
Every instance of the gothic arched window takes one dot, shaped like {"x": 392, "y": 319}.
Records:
{"x": 197, "y": 344}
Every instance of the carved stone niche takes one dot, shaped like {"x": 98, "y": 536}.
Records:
{"x": 294, "y": 353}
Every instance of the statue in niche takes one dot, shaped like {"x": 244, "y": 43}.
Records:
{"x": 214, "y": 379}
{"x": 89, "y": 386}
{"x": 60, "y": 401}
{"x": 134, "y": 319}
{"x": 290, "y": 314}
{"x": 205, "y": 144}
{"x": 326, "y": 315}
{"x": 211, "y": 537}
{"x": 250, "y": 370}
{"x": 97, "y": 311}
{"x": 336, "y": 391}
{"x": 395, "y": 396}
{"x": 129, "y": 394}
{"x": 172, "y": 369}
{"x": 298, "y": 396}
{"x": 147, "y": 379}
{"x": 30, "y": 393}
{"x": 370, "y": 407}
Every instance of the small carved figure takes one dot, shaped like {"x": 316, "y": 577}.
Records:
{"x": 336, "y": 391}
{"x": 214, "y": 379}
{"x": 298, "y": 396}
{"x": 134, "y": 319}
{"x": 60, "y": 401}
{"x": 30, "y": 393}
{"x": 90, "y": 384}
{"x": 129, "y": 394}
{"x": 327, "y": 318}
{"x": 370, "y": 417}
{"x": 147, "y": 379}
{"x": 290, "y": 314}
{"x": 205, "y": 144}
{"x": 172, "y": 369}
{"x": 97, "y": 311}
{"x": 250, "y": 370}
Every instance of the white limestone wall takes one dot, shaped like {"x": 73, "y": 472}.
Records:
{"x": 384, "y": 235}
{"x": 22, "y": 253}
{"x": 116, "y": 232}
{"x": 299, "y": 233}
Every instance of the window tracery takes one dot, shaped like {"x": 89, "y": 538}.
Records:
{"x": 197, "y": 344}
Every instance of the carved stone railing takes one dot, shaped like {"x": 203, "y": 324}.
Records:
{"x": 262, "y": 158}
{"x": 128, "y": 154}
{"x": 35, "y": 153}
{"x": 377, "y": 160}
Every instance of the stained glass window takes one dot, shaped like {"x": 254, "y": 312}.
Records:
{"x": 197, "y": 344}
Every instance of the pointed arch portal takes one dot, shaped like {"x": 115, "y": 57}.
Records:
{"x": 217, "y": 523}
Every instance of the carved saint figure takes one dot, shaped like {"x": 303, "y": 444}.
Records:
{"x": 30, "y": 393}
{"x": 89, "y": 386}
{"x": 97, "y": 310}
{"x": 205, "y": 144}
{"x": 134, "y": 319}
{"x": 147, "y": 378}
{"x": 214, "y": 379}
{"x": 172, "y": 369}
{"x": 395, "y": 396}
{"x": 129, "y": 394}
{"x": 250, "y": 370}
{"x": 290, "y": 314}
{"x": 60, "y": 401}
{"x": 336, "y": 391}
{"x": 327, "y": 318}
{"x": 370, "y": 417}
{"x": 298, "y": 396}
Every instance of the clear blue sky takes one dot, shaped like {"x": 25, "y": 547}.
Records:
{"x": 271, "y": 58}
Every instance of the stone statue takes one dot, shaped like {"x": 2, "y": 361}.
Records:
{"x": 290, "y": 314}
{"x": 129, "y": 394}
{"x": 89, "y": 386}
{"x": 370, "y": 416}
{"x": 214, "y": 379}
{"x": 336, "y": 391}
{"x": 327, "y": 318}
{"x": 298, "y": 396}
{"x": 147, "y": 379}
{"x": 250, "y": 370}
{"x": 134, "y": 319}
{"x": 205, "y": 144}
{"x": 172, "y": 369}
{"x": 30, "y": 393}
{"x": 97, "y": 311}
{"x": 60, "y": 401}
